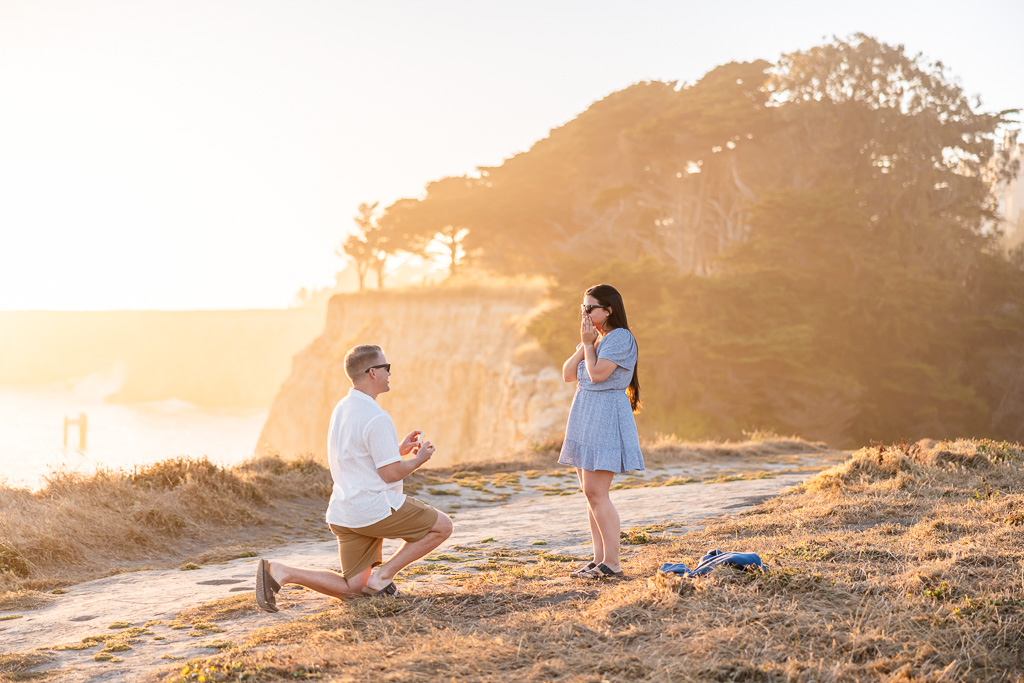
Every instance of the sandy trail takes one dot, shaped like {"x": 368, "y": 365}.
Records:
{"x": 89, "y": 609}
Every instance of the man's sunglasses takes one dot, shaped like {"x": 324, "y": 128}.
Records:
{"x": 587, "y": 308}
{"x": 386, "y": 366}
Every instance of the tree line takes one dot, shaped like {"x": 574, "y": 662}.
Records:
{"x": 807, "y": 246}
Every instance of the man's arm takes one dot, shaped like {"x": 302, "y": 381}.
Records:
{"x": 397, "y": 471}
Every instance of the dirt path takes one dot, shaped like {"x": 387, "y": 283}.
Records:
{"x": 546, "y": 512}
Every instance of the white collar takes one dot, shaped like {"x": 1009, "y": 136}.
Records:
{"x": 361, "y": 395}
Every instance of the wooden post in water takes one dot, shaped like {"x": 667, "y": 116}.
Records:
{"x": 82, "y": 424}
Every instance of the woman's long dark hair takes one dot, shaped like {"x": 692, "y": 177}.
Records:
{"x": 609, "y": 296}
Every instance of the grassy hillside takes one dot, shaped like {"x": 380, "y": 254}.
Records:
{"x": 183, "y": 508}
{"x": 902, "y": 563}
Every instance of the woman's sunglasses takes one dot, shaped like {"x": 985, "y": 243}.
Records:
{"x": 587, "y": 308}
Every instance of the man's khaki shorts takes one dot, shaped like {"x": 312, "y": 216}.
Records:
{"x": 361, "y": 547}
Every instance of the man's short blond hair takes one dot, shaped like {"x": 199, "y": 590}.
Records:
{"x": 359, "y": 358}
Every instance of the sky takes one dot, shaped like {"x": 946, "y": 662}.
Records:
{"x": 210, "y": 154}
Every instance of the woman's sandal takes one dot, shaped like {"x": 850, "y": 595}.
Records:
{"x": 584, "y": 571}
{"x": 603, "y": 571}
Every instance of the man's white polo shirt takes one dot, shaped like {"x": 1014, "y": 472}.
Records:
{"x": 361, "y": 438}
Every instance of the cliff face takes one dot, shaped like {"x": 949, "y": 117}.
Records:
{"x": 463, "y": 370}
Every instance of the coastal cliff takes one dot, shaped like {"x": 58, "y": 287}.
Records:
{"x": 464, "y": 370}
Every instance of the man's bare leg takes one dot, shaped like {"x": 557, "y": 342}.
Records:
{"x": 410, "y": 552}
{"x": 334, "y": 585}
{"x": 320, "y": 580}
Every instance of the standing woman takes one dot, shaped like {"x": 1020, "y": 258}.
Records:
{"x": 600, "y": 436}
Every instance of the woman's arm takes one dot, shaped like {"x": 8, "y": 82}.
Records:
{"x": 570, "y": 365}
{"x": 599, "y": 369}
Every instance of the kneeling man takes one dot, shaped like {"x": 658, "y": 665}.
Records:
{"x": 367, "y": 504}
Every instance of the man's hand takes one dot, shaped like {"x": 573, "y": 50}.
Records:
{"x": 410, "y": 443}
{"x": 397, "y": 471}
{"x": 424, "y": 452}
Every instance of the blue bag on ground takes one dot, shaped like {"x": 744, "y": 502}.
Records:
{"x": 712, "y": 560}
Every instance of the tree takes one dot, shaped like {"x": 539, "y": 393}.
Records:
{"x": 811, "y": 244}
{"x": 654, "y": 170}
{"x": 441, "y": 219}
{"x": 850, "y": 286}
{"x": 697, "y": 163}
{"x": 370, "y": 246}
{"x": 356, "y": 247}
{"x": 380, "y": 248}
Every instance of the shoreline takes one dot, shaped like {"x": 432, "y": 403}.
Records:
{"x": 32, "y": 445}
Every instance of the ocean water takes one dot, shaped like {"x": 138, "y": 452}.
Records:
{"x": 119, "y": 436}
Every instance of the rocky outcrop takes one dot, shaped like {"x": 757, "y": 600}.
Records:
{"x": 464, "y": 370}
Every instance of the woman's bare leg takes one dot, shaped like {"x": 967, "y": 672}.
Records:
{"x": 595, "y": 531}
{"x": 603, "y": 515}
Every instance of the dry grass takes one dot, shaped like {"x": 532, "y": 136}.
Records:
{"x": 903, "y": 563}
{"x": 222, "y": 609}
{"x": 666, "y": 451}
{"x": 712, "y": 461}
{"x": 20, "y": 667}
{"x": 82, "y": 527}
{"x": 24, "y": 600}
{"x": 761, "y": 446}
{"x": 187, "y": 512}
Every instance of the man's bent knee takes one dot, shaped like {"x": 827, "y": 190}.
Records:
{"x": 443, "y": 525}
